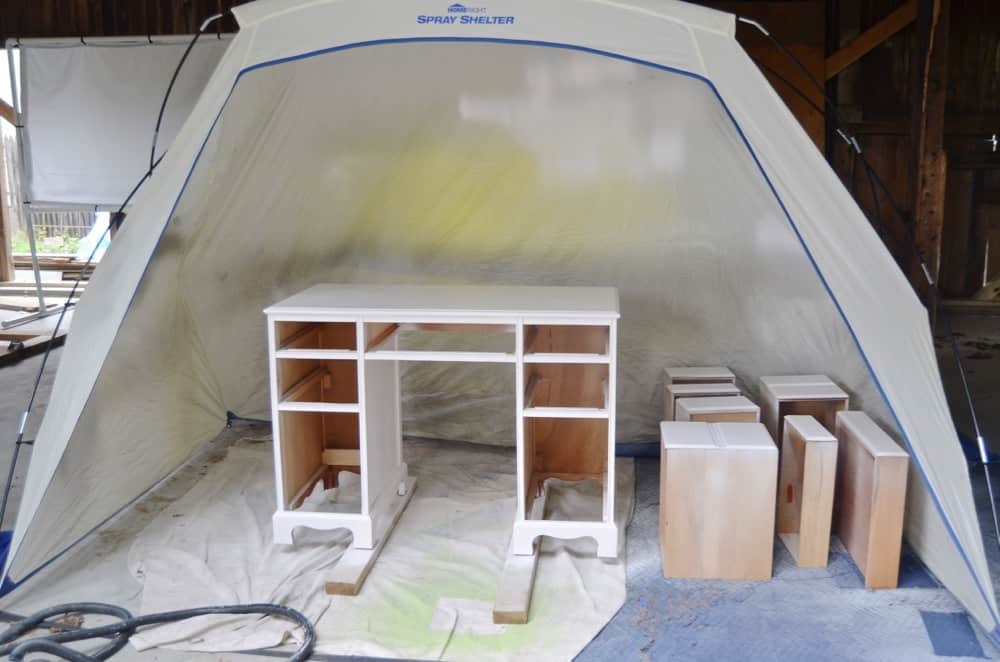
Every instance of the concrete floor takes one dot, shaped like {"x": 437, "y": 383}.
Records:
{"x": 978, "y": 338}
{"x": 823, "y": 614}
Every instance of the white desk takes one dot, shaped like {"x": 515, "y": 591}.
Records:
{"x": 334, "y": 354}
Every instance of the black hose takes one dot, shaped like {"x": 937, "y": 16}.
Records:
{"x": 170, "y": 88}
{"x": 120, "y": 632}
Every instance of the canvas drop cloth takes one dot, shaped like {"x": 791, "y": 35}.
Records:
{"x": 430, "y": 594}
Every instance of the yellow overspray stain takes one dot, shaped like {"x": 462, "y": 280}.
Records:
{"x": 402, "y": 619}
{"x": 481, "y": 195}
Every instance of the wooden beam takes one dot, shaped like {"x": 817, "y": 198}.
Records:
{"x": 868, "y": 40}
{"x": 7, "y": 272}
{"x": 931, "y": 160}
{"x": 7, "y": 112}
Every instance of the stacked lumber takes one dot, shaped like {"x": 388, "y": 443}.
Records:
{"x": 16, "y": 345}
{"x": 68, "y": 265}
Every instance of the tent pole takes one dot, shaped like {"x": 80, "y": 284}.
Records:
{"x": 984, "y": 452}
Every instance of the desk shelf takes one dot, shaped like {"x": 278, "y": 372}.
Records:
{"x": 565, "y": 412}
{"x": 566, "y": 358}
{"x": 321, "y": 354}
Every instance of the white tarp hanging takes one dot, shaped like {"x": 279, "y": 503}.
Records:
{"x": 89, "y": 111}
{"x": 566, "y": 142}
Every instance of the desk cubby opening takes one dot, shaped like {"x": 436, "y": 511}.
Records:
{"x": 573, "y": 449}
{"x": 317, "y": 381}
{"x": 315, "y": 447}
{"x": 441, "y": 337}
{"x": 566, "y": 339}
{"x": 566, "y": 385}
{"x": 316, "y": 335}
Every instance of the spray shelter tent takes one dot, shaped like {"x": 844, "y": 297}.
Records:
{"x": 632, "y": 144}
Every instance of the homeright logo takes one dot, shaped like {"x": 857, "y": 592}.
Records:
{"x": 462, "y": 9}
{"x": 459, "y": 14}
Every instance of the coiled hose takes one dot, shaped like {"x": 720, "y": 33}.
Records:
{"x": 120, "y": 632}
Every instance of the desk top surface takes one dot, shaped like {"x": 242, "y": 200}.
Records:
{"x": 452, "y": 300}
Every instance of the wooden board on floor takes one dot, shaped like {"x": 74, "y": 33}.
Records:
{"x": 353, "y": 567}
{"x": 517, "y": 581}
{"x": 24, "y": 346}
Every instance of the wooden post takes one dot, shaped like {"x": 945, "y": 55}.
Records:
{"x": 6, "y": 229}
{"x": 6, "y": 256}
{"x": 931, "y": 162}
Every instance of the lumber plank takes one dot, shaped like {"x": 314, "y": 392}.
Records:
{"x": 7, "y": 112}
{"x": 24, "y": 348}
{"x": 517, "y": 581}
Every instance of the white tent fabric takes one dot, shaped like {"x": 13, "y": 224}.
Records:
{"x": 566, "y": 142}
{"x": 89, "y": 111}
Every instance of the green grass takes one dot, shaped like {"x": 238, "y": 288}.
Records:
{"x": 46, "y": 245}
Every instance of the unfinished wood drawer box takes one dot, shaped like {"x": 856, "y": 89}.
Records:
{"x": 723, "y": 409}
{"x": 717, "y": 490}
{"x": 806, "y": 395}
{"x": 673, "y": 391}
{"x": 699, "y": 375}
{"x": 805, "y": 490}
{"x": 870, "y": 497}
